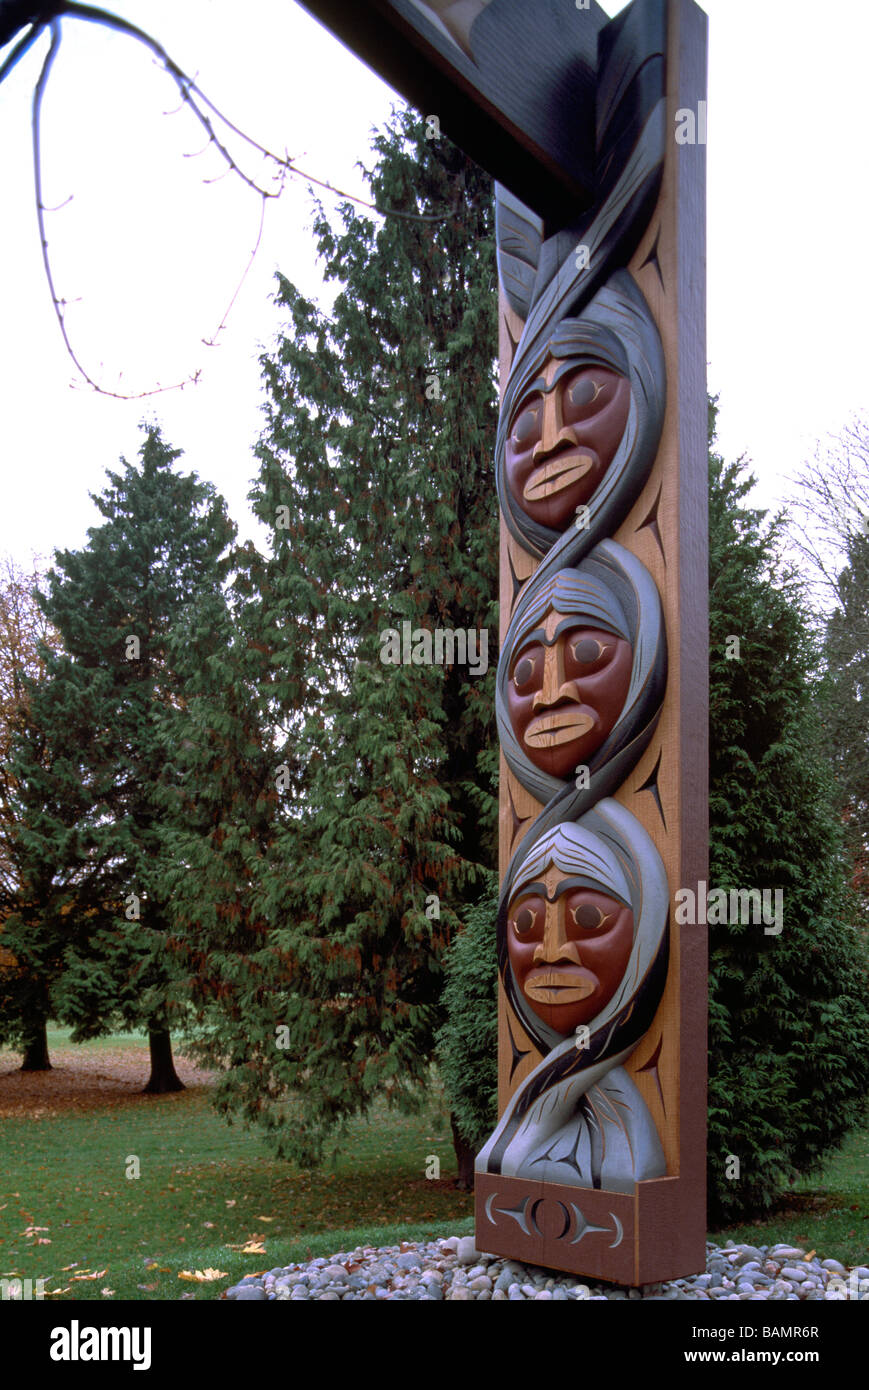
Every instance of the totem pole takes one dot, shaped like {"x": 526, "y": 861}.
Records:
{"x": 595, "y": 129}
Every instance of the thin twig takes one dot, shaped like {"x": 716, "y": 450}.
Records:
{"x": 200, "y": 105}
{"x": 20, "y": 49}
{"x": 190, "y": 89}
{"x": 57, "y": 303}
{"x": 212, "y": 341}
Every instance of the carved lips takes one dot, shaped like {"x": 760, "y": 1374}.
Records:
{"x": 549, "y": 730}
{"x": 566, "y": 691}
{"x": 556, "y": 475}
{"x": 560, "y": 986}
{"x": 562, "y": 441}
{"x": 569, "y": 948}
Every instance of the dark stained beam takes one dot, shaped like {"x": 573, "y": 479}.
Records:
{"x": 512, "y": 82}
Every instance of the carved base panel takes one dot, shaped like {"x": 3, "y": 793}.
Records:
{"x": 588, "y": 1232}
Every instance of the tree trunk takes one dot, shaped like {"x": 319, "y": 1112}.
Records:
{"x": 465, "y": 1156}
{"x": 36, "y": 1050}
{"x": 164, "y": 1077}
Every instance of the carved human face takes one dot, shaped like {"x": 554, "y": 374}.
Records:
{"x": 563, "y": 439}
{"x": 568, "y": 685}
{"x": 569, "y": 947}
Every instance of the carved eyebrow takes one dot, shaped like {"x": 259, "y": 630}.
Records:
{"x": 539, "y": 635}
{"x": 565, "y": 885}
{"x": 562, "y": 887}
{"x": 567, "y": 365}
{"x": 538, "y": 386}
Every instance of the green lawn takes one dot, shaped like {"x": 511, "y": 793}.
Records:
{"x": 827, "y": 1212}
{"x": 59, "y": 1037}
{"x": 204, "y": 1186}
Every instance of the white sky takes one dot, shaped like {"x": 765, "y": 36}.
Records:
{"x": 151, "y": 255}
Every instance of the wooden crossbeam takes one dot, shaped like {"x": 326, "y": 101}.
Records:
{"x": 512, "y": 83}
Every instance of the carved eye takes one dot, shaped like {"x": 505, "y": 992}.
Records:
{"x": 589, "y": 916}
{"x": 583, "y": 392}
{"x": 523, "y": 672}
{"x": 526, "y": 429}
{"x": 524, "y": 921}
{"x": 587, "y": 650}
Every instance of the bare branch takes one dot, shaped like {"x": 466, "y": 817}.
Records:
{"x": 16, "y": 13}
{"x": 192, "y": 93}
{"x": 20, "y": 49}
{"x": 833, "y": 504}
{"x": 57, "y": 303}
{"x": 212, "y": 341}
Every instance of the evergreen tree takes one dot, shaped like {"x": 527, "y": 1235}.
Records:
{"x": 786, "y": 1082}
{"x": 377, "y": 483}
{"x": 220, "y": 801}
{"x": 89, "y": 770}
{"x": 846, "y": 708}
{"x": 468, "y": 1040}
{"x": 24, "y": 986}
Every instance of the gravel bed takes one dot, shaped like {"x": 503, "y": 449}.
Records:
{"x": 454, "y": 1269}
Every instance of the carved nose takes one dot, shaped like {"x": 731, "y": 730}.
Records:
{"x": 555, "y": 945}
{"x": 553, "y": 434}
{"x": 554, "y": 687}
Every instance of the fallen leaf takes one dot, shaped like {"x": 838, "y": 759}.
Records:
{"x": 230, "y": 1202}
{"x": 52, "y": 1293}
{"x": 253, "y": 1249}
{"x": 99, "y": 1274}
{"x": 148, "y": 1288}
{"x": 209, "y": 1225}
{"x": 107, "y": 1293}
{"x": 265, "y": 1218}
{"x": 74, "y": 1265}
{"x": 203, "y": 1276}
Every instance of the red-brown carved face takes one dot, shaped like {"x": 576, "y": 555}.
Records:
{"x": 569, "y": 948}
{"x": 563, "y": 440}
{"x": 566, "y": 691}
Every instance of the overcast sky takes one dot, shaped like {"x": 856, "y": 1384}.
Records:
{"x": 149, "y": 255}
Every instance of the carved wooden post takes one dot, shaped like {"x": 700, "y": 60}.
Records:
{"x": 596, "y": 130}
{"x": 598, "y": 1162}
